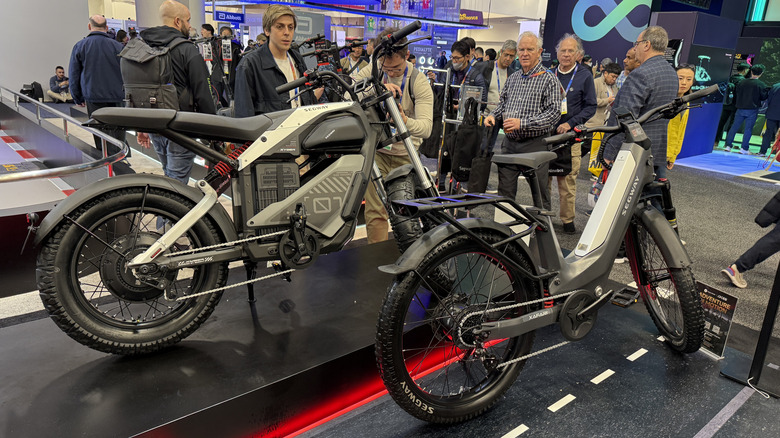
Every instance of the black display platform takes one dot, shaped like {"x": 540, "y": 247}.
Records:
{"x": 52, "y": 386}
{"x": 659, "y": 394}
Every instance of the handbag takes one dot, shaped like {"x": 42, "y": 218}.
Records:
{"x": 480, "y": 165}
{"x": 468, "y": 139}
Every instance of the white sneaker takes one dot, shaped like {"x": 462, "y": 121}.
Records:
{"x": 621, "y": 260}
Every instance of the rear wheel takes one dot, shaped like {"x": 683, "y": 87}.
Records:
{"x": 92, "y": 296}
{"x": 431, "y": 362}
{"x": 668, "y": 293}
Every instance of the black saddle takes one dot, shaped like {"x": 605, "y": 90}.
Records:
{"x": 531, "y": 160}
{"x": 195, "y": 125}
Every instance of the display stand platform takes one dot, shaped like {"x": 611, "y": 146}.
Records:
{"x": 52, "y": 386}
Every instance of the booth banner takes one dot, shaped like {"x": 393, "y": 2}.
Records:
{"x": 471, "y": 17}
{"x": 425, "y": 55}
{"x": 718, "y": 315}
{"x": 608, "y": 28}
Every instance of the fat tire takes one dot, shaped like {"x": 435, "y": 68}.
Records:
{"x": 406, "y": 230}
{"x": 71, "y": 311}
{"x": 684, "y": 286}
{"x": 389, "y": 345}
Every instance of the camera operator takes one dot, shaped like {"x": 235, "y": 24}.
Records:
{"x": 415, "y": 97}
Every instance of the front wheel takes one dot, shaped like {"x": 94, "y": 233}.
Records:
{"x": 92, "y": 296}
{"x": 669, "y": 294}
{"x": 431, "y": 363}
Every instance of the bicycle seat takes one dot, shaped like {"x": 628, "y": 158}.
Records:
{"x": 530, "y": 159}
{"x": 205, "y": 126}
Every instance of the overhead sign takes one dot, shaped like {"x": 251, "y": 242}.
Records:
{"x": 470, "y": 17}
{"x": 235, "y": 17}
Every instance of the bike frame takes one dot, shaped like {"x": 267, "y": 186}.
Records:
{"x": 274, "y": 215}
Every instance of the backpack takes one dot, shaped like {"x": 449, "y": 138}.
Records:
{"x": 148, "y": 76}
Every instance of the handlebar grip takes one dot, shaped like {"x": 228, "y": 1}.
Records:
{"x": 404, "y": 31}
{"x": 701, "y": 93}
{"x": 292, "y": 85}
{"x": 560, "y": 138}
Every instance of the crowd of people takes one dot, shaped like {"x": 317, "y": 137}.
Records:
{"x": 519, "y": 93}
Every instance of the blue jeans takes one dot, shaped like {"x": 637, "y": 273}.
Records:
{"x": 769, "y": 135}
{"x": 748, "y": 116}
{"x": 176, "y": 160}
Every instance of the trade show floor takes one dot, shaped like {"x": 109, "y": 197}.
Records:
{"x": 620, "y": 381}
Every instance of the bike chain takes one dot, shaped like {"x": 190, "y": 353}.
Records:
{"x": 234, "y": 242}
{"x": 509, "y": 307}
{"x": 219, "y": 245}
{"x": 235, "y": 285}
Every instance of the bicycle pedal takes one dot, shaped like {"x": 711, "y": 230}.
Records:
{"x": 626, "y": 297}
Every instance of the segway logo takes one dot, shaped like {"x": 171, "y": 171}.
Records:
{"x": 616, "y": 18}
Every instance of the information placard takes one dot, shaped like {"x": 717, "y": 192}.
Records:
{"x": 718, "y": 315}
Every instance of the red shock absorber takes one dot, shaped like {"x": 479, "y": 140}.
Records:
{"x": 549, "y": 303}
{"x": 219, "y": 177}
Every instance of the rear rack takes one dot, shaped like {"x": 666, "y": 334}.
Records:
{"x": 435, "y": 207}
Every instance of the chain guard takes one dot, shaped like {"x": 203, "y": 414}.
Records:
{"x": 299, "y": 257}
{"x": 573, "y": 327}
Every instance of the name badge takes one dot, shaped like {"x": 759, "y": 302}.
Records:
{"x": 564, "y": 108}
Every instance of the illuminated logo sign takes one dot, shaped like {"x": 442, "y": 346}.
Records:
{"x": 234, "y": 17}
{"x": 616, "y": 18}
{"x": 470, "y": 17}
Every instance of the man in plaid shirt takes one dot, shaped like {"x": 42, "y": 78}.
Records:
{"x": 529, "y": 108}
{"x": 652, "y": 84}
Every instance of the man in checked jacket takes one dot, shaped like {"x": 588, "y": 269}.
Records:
{"x": 530, "y": 107}
{"x": 652, "y": 84}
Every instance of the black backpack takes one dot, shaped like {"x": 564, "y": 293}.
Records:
{"x": 148, "y": 76}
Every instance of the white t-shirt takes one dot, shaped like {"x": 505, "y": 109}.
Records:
{"x": 286, "y": 66}
{"x": 493, "y": 91}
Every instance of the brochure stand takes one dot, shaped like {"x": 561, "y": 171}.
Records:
{"x": 752, "y": 371}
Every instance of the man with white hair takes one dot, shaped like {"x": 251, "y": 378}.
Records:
{"x": 529, "y": 108}
{"x": 652, "y": 84}
{"x": 579, "y": 105}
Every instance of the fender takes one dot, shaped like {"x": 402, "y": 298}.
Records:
{"x": 675, "y": 254}
{"x": 85, "y": 194}
{"x": 414, "y": 255}
{"x": 399, "y": 172}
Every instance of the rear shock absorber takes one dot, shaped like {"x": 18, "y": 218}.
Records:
{"x": 219, "y": 176}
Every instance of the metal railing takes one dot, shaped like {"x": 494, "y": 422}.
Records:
{"x": 14, "y": 102}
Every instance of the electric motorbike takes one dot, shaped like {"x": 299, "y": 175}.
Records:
{"x": 135, "y": 263}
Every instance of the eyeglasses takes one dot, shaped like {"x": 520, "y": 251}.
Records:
{"x": 641, "y": 41}
{"x": 457, "y": 58}
{"x": 392, "y": 70}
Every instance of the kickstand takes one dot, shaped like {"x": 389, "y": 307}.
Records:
{"x": 251, "y": 273}
{"x": 625, "y": 297}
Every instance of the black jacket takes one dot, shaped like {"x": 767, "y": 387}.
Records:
{"x": 257, "y": 77}
{"x": 770, "y": 214}
{"x": 750, "y": 93}
{"x": 190, "y": 75}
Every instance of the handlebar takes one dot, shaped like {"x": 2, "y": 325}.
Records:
{"x": 293, "y": 85}
{"x": 699, "y": 94}
{"x": 402, "y": 33}
{"x": 571, "y": 135}
{"x": 309, "y": 42}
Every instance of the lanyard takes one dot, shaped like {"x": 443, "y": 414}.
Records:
{"x": 403, "y": 84}
{"x": 498, "y": 79}
{"x": 565, "y": 91}
{"x": 533, "y": 75}
{"x": 464, "y": 76}
{"x": 354, "y": 68}
{"x": 292, "y": 69}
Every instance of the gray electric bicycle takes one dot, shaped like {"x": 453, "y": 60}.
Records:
{"x": 457, "y": 325}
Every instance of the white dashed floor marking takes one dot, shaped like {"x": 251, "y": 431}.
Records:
{"x": 561, "y": 403}
{"x": 602, "y": 377}
{"x": 519, "y": 430}
{"x": 639, "y": 353}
